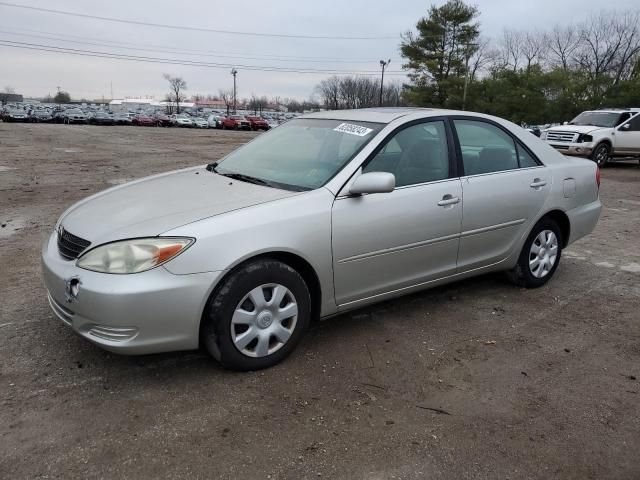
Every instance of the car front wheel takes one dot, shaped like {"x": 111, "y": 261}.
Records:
{"x": 257, "y": 317}
{"x": 540, "y": 255}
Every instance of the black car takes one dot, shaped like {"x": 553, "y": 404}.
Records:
{"x": 122, "y": 119}
{"x": 102, "y": 118}
{"x": 42, "y": 116}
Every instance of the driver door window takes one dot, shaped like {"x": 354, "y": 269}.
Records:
{"x": 416, "y": 154}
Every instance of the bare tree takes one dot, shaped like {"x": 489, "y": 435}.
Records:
{"x": 511, "y": 48}
{"x": 337, "y": 93}
{"x": 227, "y": 97}
{"x": 533, "y": 48}
{"x": 481, "y": 58}
{"x": 176, "y": 87}
{"x": 562, "y": 42}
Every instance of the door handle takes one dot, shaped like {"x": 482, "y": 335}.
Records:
{"x": 538, "y": 183}
{"x": 448, "y": 200}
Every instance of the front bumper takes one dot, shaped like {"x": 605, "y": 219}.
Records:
{"x": 577, "y": 149}
{"x": 149, "y": 312}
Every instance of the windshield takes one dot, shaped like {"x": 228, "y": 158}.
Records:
{"x": 300, "y": 155}
{"x": 597, "y": 119}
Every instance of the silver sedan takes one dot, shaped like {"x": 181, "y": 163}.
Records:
{"x": 327, "y": 213}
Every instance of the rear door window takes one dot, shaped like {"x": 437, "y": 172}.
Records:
{"x": 485, "y": 147}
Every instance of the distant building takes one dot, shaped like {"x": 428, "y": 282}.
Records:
{"x": 134, "y": 104}
{"x": 11, "y": 98}
{"x": 215, "y": 104}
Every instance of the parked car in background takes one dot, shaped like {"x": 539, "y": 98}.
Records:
{"x": 258, "y": 123}
{"x": 325, "y": 214}
{"x": 143, "y": 121}
{"x": 236, "y": 122}
{"x": 273, "y": 123}
{"x": 102, "y": 118}
{"x": 16, "y": 116}
{"x": 182, "y": 120}
{"x": 58, "y": 116}
{"x": 215, "y": 121}
{"x": 200, "y": 123}
{"x": 74, "y": 115}
{"x": 601, "y": 135}
{"x": 42, "y": 116}
{"x": 122, "y": 119}
{"x": 162, "y": 120}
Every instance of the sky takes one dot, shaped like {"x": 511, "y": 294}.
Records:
{"x": 369, "y": 31}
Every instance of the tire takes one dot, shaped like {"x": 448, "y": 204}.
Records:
{"x": 601, "y": 154}
{"x": 530, "y": 274}
{"x": 259, "y": 338}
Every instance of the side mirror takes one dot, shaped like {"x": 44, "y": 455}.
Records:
{"x": 373, "y": 182}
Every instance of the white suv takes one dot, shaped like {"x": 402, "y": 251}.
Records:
{"x": 600, "y": 135}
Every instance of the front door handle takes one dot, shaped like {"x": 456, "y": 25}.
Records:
{"x": 448, "y": 200}
{"x": 538, "y": 183}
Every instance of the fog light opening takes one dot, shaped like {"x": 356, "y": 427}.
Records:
{"x": 72, "y": 289}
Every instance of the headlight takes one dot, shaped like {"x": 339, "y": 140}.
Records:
{"x": 583, "y": 138}
{"x": 133, "y": 256}
{"x": 543, "y": 135}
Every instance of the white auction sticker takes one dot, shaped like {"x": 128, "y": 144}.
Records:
{"x": 353, "y": 129}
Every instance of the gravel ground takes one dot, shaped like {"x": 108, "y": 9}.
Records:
{"x": 475, "y": 380}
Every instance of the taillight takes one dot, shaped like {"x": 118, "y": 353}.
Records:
{"x": 598, "y": 176}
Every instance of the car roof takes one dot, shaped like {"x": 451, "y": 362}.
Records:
{"x": 375, "y": 115}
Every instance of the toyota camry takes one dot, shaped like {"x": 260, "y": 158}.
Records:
{"x": 327, "y": 213}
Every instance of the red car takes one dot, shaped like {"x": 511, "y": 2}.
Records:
{"x": 143, "y": 121}
{"x": 162, "y": 120}
{"x": 235, "y": 122}
{"x": 258, "y": 123}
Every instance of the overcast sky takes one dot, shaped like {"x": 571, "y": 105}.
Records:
{"x": 37, "y": 73}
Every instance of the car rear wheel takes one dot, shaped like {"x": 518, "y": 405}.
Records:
{"x": 601, "y": 154}
{"x": 257, "y": 317}
{"x": 540, "y": 255}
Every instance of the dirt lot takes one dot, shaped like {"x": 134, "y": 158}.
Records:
{"x": 412, "y": 388}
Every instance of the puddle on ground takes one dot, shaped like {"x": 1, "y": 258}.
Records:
{"x": 69, "y": 150}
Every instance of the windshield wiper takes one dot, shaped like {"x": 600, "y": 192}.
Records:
{"x": 246, "y": 178}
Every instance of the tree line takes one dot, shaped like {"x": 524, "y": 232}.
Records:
{"x": 535, "y": 76}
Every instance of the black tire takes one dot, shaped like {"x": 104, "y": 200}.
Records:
{"x": 216, "y": 334}
{"x": 601, "y": 154}
{"x": 521, "y": 274}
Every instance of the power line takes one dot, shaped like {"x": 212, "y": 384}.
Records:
{"x": 196, "y": 29}
{"x": 118, "y": 56}
{"x": 163, "y": 49}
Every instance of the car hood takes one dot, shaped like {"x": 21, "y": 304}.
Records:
{"x": 153, "y": 205}
{"x": 575, "y": 128}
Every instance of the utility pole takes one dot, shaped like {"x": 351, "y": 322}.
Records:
{"x": 384, "y": 65}
{"x": 466, "y": 74}
{"x": 234, "y": 72}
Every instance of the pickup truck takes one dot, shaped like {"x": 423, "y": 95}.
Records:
{"x": 601, "y": 135}
{"x": 236, "y": 122}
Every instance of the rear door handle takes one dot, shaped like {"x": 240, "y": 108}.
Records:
{"x": 448, "y": 200}
{"x": 538, "y": 183}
